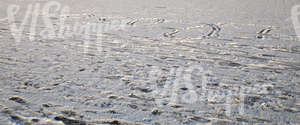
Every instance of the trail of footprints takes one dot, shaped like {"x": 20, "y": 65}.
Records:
{"x": 204, "y": 33}
{"x": 200, "y": 31}
{"x": 213, "y": 33}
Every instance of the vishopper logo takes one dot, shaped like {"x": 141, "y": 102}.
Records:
{"x": 194, "y": 85}
{"x": 295, "y": 12}
{"x": 65, "y": 27}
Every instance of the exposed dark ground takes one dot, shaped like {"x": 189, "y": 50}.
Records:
{"x": 244, "y": 44}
